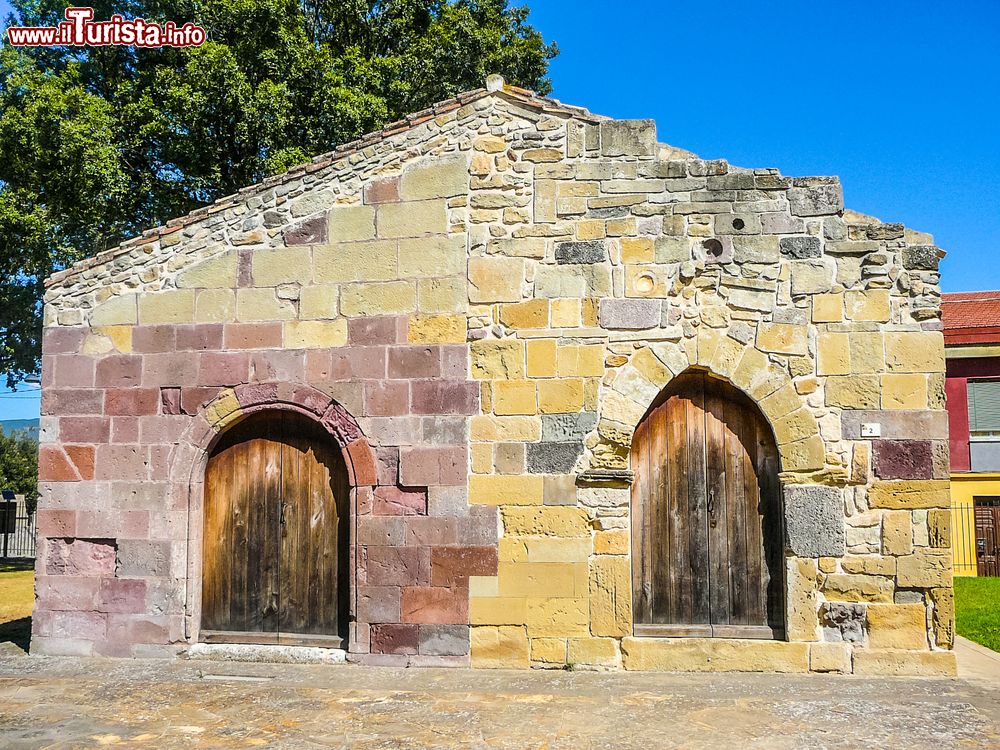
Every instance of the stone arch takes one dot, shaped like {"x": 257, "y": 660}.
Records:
{"x": 230, "y": 406}
{"x": 728, "y": 356}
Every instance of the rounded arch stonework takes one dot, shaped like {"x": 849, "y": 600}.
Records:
{"x": 227, "y": 408}
{"x": 638, "y": 382}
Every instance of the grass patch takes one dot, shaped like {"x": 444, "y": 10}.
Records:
{"x": 17, "y": 597}
{"x": 977, "y": 610}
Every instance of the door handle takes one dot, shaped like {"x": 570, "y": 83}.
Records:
{"x": 711, "y": 502}
{"x": 281, "y": 519}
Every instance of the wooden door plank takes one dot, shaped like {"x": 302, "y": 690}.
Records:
{"x": 658, "y": 531}
{"x": 735, "y": 457}
{"x": 678, "y": 606}
{"x": 756, "y": 612}
{"x": 698, "y": 503}
{"x": 718, "y": 516}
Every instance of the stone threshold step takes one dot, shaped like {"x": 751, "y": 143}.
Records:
{"x": 265, "y": 654}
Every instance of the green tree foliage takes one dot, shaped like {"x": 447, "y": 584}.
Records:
{"x": 97, "y": 144}
{"x": 19, "y": 466}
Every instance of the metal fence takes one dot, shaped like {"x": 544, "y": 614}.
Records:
{"x": 17, "y": 529}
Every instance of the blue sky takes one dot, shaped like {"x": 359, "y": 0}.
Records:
{"x": 900, "y": 99}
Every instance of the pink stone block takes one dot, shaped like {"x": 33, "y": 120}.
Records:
{"x": 73, "y": 371}
{"x": 201, "y": 337}
{"x": 420, "y": 467}
{"x": 69, "y": 401}
{"x": 378, "y": 604}
{"x": 445, "y": 397}
{"x": 384, "y": 190}
{"x": 394, "y": 638}
{"x": 396, "y": 501}
{"x": 132, "y": 402}
{"x": 169, "y": 369}
{"x": 84, "y": 429}
{"x": 170, "y": 400}
{"x": 455, "y": 362}
{"x": 154, "y": 339}
{"x": 113, "y": 523}
{"x": 396, "y": 566}
{"x": 63, "y": 339}
{"x": 285, "y": 366}
{"x": 80, "y": 557}
{"x": 119, "y": 371}
{"x": 371, "y": 330}
{"x": 414, "y": 362}
{"x": 387, "y": 465}
{"x": 67, "y": 592}
{"x": 122, "y": 595}
{"x": 387, "y": 398}
{"x": 450, "y": 565}
{"x": 362, "y": 462}
{"x": 252, "y": 336}
{"x": 121, "y": 462}
{"x": 125, "y": 430}
{"x": 357, "y": 362}
{"x": 55, "y": 466}
{"x": 431, "y": 531}
{"x": 194, "y": 399}
{"x": 435, "y": 604}
{"x": 55, "y": 522}
{"x": 223, "y": 368}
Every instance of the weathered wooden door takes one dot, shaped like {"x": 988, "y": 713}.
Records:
{"x": 275, "y": 535}
{"x": 987, "y": 537}
{"x": 706, "y": 515}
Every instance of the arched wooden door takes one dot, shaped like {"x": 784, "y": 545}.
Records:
{"x": 706, "y": 515}
{"x": 276, "y": 535}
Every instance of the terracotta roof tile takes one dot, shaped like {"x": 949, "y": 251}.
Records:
{"x": 971, "y": 317}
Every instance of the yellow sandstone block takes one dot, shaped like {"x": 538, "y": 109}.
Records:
{"x": 531, "y": 314}
{"x": 560, "y": 396}
{"x": 353, "y": 261}
{"x": 612, "y": 542}
{"x": 487, "y": 428}
{"x": 550, "y": 520}
{"x": 871, "y": 305}
{"x": 828, "y": 308}
{"x": 315, "y": 334}
{"x": 557, "y": 617}
{"x": 914, "y": 663}
{"x": 283, "y": 265}
{"x": 173, "y": 306}
{"x": 496, "y": 279}
{"x": 904, "y": 391}
{"x": 482, "y": 458}
{"x": 610, "y": 596}
{"x": 498, "y": 610}
{"x": 548, "y": 650}
{"x": 902, "y": 626}
{"x": 914, "y": 351}
{"x": 120, "y": 337}
{"x": 217, "y": 272}
{"x": 637, "y": 250}
{"x": 512, "y": 397}
{"x": 437, "y": 329}
{"x": 782, "y": 338}
{"x": 541, "y": 356}
{"x": 910, "y": 494}
{"x": 499, "y": 647}
{"x": 867, "y": 352}
{"x": 411, "y": 218}
{"x": 541, "y": 580}
{"x": 497, "y": 360}
{"x": 565, "y": 313}
{"x": 593, "y": 652}
{"x": 714, "y": 655}
{"x": 833, "y": 354}
{"x": 389, "y": 298}
{"x": 581, "y": 361}
{"x": 496, "y": 489}
{"x": 548, "y": 549}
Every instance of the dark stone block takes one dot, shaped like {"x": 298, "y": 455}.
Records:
{"x": 444, "y": 640}
{"x": 814, "y": 520}
{"x": 921, "y": 257}
{"x": 903, "y": 459}
{"x": 844, "y": 622}
{"x": 561, "y": 428}
{"x": 389, "y": 638}
{"x": 311, "y": 232}
{"x": 591, "y": 251}
{"x": 553, "y": 458}
{"x": 801, "y": 247}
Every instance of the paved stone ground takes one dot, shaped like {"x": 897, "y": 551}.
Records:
{"x": 76, "y": 703}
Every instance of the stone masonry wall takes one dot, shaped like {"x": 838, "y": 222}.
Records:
{"x": 481, "y": 303}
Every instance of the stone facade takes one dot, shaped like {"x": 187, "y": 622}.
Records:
{"x": 480, "y": 303}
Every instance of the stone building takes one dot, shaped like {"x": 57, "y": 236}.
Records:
{"x": 506, "y": 384}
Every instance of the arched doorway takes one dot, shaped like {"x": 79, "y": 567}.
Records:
{"x": 706, "y": 515}
{"x": 275, "y": 566}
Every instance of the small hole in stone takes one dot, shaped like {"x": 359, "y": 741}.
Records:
{"x": 645, "y": 283}
{"x": 738, "y": 223}
{"x": 713, "y": 247}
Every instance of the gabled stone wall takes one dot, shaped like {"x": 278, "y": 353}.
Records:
{"x": 489, "y": 299}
